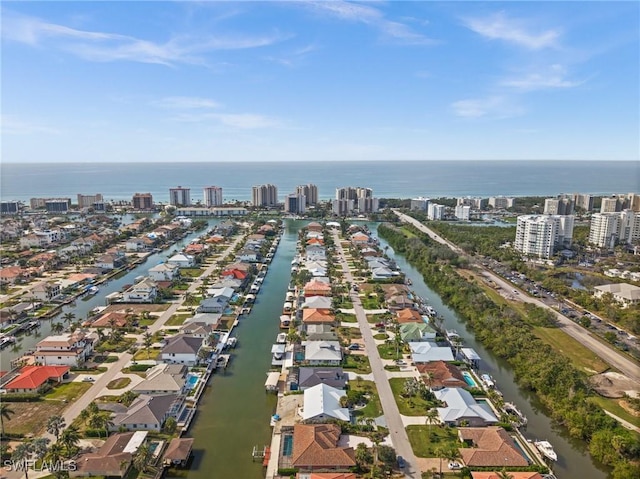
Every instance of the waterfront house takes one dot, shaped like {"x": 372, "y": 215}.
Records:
{"x": 489, "y": 447}
{"x": 461, "y": 406}
{"x": 208, "y": 319}
{"x": 314, "y": 226}
{"x": 182, "y": 260}
{"x": 416, "y": 332}
{"x": 320, "y": 332}
{"x": 322, "y": 353}
{"x": 217, "y": 304}
{"x": 181, "y": 349}
{"x": 398, "y": 302}
{"x": 12, "y": 274}
{"x": 443, "y": 375}
{"x": 109, "y": 320}
{"x": 70, "y": 349}
{"x": 316, "y": 287}
{"x": 163, "y": 379}
{"x": 512, "y": 475}
{"x": 247, "y": 255}
{"x": 46, "y": 291}
{"x": 164, "y": 272}
{"x": 322, "y": 404}
{"x": 315, "y": 447}
{"x": 178, "y": 452}
{"x": 199, "y": 329}
{"x": 408, "y": 315}
{"x": 113, "y": 459}
{"x": 32, "y": 378}
{"x": 315, "y": 253}
{"x": 144, "y": 291}
{"x": 148, "y": 412}
{"x": 317, "y": 316}
{"x": 195, "y": 249}
{"x": 359, "y": 239}
{"x": 109, "y": 261}
{"x": 426, "y": 351}
{"x": 317, "y": 302}
{"x": 310, "y": 377}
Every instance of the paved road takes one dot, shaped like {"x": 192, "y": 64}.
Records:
{"x": 612, "y": 357}
{"x": 392, "y": 416}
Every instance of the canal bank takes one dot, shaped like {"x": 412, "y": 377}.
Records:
{"x": 574, "y": 461}
{"x": 81, "y": 307}
{"x": 234, "y": 413}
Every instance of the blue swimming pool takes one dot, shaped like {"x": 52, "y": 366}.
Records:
{"x": 192, "y": 380}
{"x": 287, "y": 445}
{"x": 469, "y": 379}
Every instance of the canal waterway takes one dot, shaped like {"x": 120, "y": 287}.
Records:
{"x": 234, "y": 413}
{"x": 82, "y": 308}
{"x": 574, "y": 461}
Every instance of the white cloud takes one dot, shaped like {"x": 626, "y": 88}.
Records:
{"x": 357, "y": 12}
{"x": 553, "y": 78}
{"x": 108, "y": 47}
{"x": 496, "y": 106}
{"x": 185, "y": 103}
{"x": 501, "y": 27}
{"x": 244, "y": 121}
{"x": 295, "y": 57}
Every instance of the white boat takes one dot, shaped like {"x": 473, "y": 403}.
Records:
{"x": 281, "y": 338}
{"x": 487, "y": 381}
{"x": 92, "y": 290}
{"x": 512, "y": 409}
{"x": 546, "y": 449}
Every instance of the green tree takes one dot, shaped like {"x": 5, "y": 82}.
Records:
{"x": 21, "y": 454}
{"x": 142, "y": 458}
{"x": 70, "y": 438}
{"x": 432, "y": 417}
{"x": 147, "y": 340}
{"x": 170, "y": 425}
{"x": 57, "y": 328}
{"x": 55, "y": 424}
{"x": 5, "y": 413}
{"x": 363, "y": 456}
{"x": 68, "y": 317}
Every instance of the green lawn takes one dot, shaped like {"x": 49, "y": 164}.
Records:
{"x": 373, "y": 408}
{"x": 426, "y": 439}
{"x": 614, "y": 407}
{"x": 581, "y": 357}
{"x": 388, "y": 351}
{"x": 346, "y": 318}
{"x": 119, "y": 383}
{"x": 377, "y": 318}
{"x": 381, "y": 336}
{"x": 68, "y": 391}
{"x": 413, "y": 406}
{"x": 177, "y": 319}
{"x": 142, "y": 354}
{"x": 191, "y": 272}
{"x": 357, "y": 364}
{"x": 119, "y": 347}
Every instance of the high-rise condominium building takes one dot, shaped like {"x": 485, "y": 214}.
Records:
{"x": 435, "y": 211}
{"x": 264, "y": 195}
{"x": 142, "y": 201}
{"x": 9, "y": 207}
{"x": 310, "y": 192}
{"x": 609, "y": 229}
{"x": 295, "y": 203}
{"x": 463, "y": 212}
{"x": 541, "y": 235}
{"x": 611, "y": 205}
{"x": 60, "y": 205}
{"x": 88, "y": 201}
{"x": 180, "y": 196}
{"x": 368, "y": 205}
{"x": 501, "y": 202}
{"x": 583, "y": 201}
{"x": 474, "y": 203}
{"x": 558, "y": 206}
{"x": 419, "y": 204}
{"x": 342, "y": 207}
{"x": 353, "y": 193}
{"x": 213, "y": 196}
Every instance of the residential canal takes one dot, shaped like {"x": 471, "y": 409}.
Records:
{"x": 82, "y": 308}
{"x": 233, "y": 415}
{"x": 574, "y": 461}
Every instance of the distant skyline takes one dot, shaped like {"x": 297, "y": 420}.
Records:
{"x": 319, "y": 81}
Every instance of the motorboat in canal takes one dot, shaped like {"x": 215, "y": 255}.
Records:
{"x": 487, "y": 381}
{"x": 546, "y": 449}
{"x": 513, "y": 410}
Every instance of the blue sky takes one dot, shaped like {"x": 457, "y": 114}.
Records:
{"x": 314, "y": 81}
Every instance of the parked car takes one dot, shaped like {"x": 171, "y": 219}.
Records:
{"x": 354, "y": 347}
{"x": 401, "y": 461}
{"x": 455, "y": 465}
{"x": 88, "y": 379}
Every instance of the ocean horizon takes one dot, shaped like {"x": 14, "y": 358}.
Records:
{"x": 388, "y": 179}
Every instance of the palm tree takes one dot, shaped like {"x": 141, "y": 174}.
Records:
{"x": 432, "y": 417}
{"x": 21, "y": 454}
{"x": 504, "y": 474}
{"x": 56, "y": 456}
{"x": 55, "y": 425}
{"x": 441, "y": 453}
{"x": 101, "y": 421}
{"x": 5, "y": 413}
{"x": 68, "y": 317}
{"x": 428, "y": 378}
{"x": 69, "y": 438}
{"x": 142, "y": 457}
{"x": 57, "y": 328}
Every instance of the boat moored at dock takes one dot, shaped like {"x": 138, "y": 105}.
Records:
{"x": 546, "y": 449}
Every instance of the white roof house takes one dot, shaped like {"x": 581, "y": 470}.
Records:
{"x": 182, "y": 260}
{"x": 425, "y": 351}
{"x": 322, "y": 402}
{"x": 624, "y": 293}
{"x": 322, "y": 352}
{"x": 317, "y": 302}
{"x": 461, "y": 406}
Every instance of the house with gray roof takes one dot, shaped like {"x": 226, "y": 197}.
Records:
{"x": 149, "y": 412}
{"x": 211, "y": 319}
{"x": 317, "y": 302}
{"x": 163, "y": 379}
{"x": 182, "y": 349}
{"x": 322, "y": 403}
{"x": 425, "y": 351}
{"x": 322, "y": 352}
{"x": 461, "y": 406}
{"x": 310, "y": 377}
{"x": 217, "y": 304}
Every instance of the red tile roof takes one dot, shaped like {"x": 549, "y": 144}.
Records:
{"x": 409, "y": 316}
{"x": 512, "y": 474}
{"x": 445, "y": 375}
{"x": 316, "y": 446}
{"x": 492, "y": 446}
{"x": 32, "y": 377}
{"x": 312, "y": 315}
